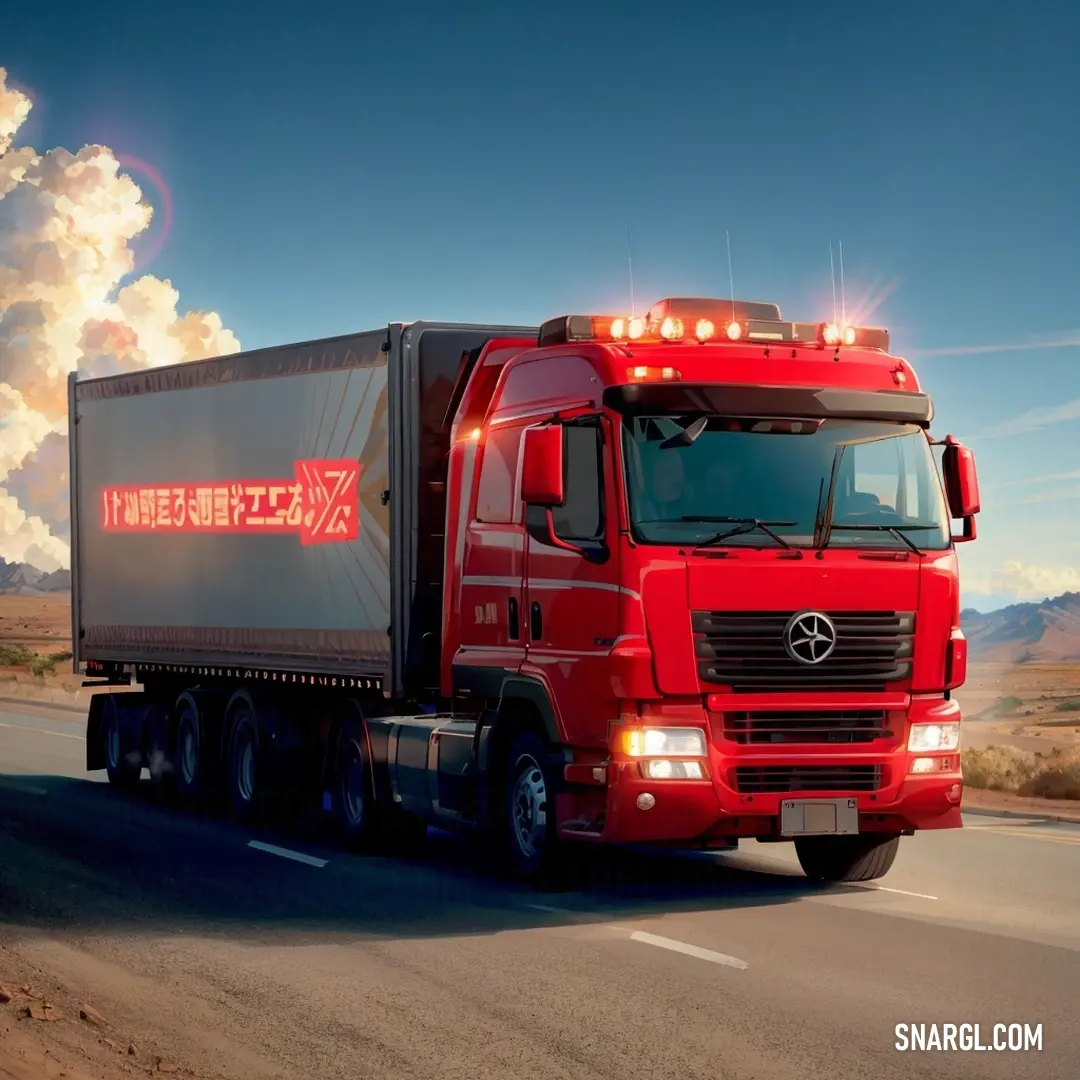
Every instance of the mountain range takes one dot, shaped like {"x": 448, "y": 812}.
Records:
{"x": 1047, "y": 630}
{"x": 23, "y": 579}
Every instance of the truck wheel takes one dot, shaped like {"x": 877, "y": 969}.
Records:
{"x": 846, "y": 858}
{"x": 354, "y": 806}
{"x": 246, "y": 780}
{"x": 187, "y": 768}
{"x": 529, "y": 819}
{"x": 123, "y": 763}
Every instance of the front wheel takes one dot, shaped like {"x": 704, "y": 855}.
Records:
{"x": 847, "y": 858}
{"x": 529, "y": 815}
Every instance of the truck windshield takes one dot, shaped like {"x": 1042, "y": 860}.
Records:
{"x": 692, "y": 479}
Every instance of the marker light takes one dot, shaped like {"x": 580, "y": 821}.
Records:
{"x": 671, "y": 329}
{"x": 704, "y": 330}
{"x": 475, "y": 434}
{"x": 641, "y": 373}
{"x": 835, "y": 334}
{"x": 734, "y": 330}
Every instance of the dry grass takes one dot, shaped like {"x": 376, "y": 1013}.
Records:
{"x": 35, "y": 649}
{"x": 1054, "y": 775}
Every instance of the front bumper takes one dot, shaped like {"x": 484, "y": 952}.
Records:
{"x": 712, "y": 811}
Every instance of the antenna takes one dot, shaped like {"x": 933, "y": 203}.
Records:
{"x": 730, "y": 273}
{"x": 832, "y": 272}
{"x": 630, "y": 262}
{"x": 843, "y": 294}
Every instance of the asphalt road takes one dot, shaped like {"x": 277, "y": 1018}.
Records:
{"x": 243, "y": 961}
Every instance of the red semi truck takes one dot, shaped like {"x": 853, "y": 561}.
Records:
{"x": 677, "y": 580}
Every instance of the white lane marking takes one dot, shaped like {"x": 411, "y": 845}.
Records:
{"x": 689, "y": 950}
{"x": 549, "y": 908}
{"x": 899, "y": 892}
{"x": 43, "y": 731}
{"x": 22, "y": 789}
{"x": 285, "y": 853}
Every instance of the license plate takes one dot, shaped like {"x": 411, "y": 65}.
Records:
{"x": 819, "y": 817}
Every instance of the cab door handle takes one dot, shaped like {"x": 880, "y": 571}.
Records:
{"x": 513, "y": 619}
{"x": 536, "y": 621}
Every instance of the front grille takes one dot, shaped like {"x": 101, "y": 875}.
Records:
{"x": 762, "y": 779}
{"x": 806, "y": 726}
{"x": 746, "y": 651}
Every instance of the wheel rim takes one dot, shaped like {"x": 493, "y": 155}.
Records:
{"x": 189, "y": 751}
{"x": 352, "y": 786}
{"x": 112, "y": 743}
{"x": 245, "y": 771}
{"x": 529, "y": 807}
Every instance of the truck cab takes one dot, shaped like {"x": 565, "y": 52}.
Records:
{"x": 709, "y": 557}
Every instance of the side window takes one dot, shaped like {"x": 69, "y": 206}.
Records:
{"x": 498, "y": 475}
{"x": 582, "y": 515}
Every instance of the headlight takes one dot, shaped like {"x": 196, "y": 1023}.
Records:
{"x": 924, "y": 737}
{"x": 664, "y": 742}
{"x": 666, "y": 769}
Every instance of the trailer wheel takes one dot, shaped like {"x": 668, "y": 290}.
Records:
{"x": 847, "y": 858}
{"x": 529, "y": 817}
{"x": 123, "y": 761}
{"x": 188, "y": 763}
{"x": 245, "y": 782}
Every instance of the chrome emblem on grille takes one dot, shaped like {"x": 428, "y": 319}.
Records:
{"x": 809, "y": 637}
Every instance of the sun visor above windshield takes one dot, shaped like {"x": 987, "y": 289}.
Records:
{"x": 903, "y": 407}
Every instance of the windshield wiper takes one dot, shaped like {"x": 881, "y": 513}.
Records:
{"x": 894, "y": 531}
{"x": 742, "y": 526}
{"x": 823, "y": 525}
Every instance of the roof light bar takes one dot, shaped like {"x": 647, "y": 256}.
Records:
{"x": 679, "y": 320}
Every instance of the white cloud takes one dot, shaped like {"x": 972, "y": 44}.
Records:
{"x": 1045, "y": 478}
{"x": 1069, "y": 339}
{"x": 1044, "y": 497}
{"x": 1023, "y": 582}
{"x": 1033, "y": 420}
{"x": 66, "y": 226}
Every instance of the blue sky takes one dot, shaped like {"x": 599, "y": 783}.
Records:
{"x": 334, "y": 166}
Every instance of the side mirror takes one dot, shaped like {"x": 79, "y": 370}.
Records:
{"x": 542, "y": 468}
{"x": 961, "y": 485}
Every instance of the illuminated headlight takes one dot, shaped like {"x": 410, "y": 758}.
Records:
{"x": 665, "y": 769}
{"x": 665, "y": 742}
{"x": 924, "y": 737}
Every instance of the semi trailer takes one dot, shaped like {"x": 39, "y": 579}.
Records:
{"x": 676, "y": 580}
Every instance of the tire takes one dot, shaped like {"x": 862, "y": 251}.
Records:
{"x": 354, "y": 801}
{"x": 188, "y": 754}
{"x": 246, "y": 779}
{"x": 123, "y": 762}
{"x": 846, "y": 858}
{"x": 532, "y": 844}
{"x": 360, "y": 822}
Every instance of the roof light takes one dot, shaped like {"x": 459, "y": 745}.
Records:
{"x": 635, "y": 328}
{"x": 704, "y": 330}
{"x": 671, "y": 329}
{"x": 734, "y": 330}
{"x": 618, "y": 328}
{"x": 835, "y": 335}
{"x": 642, "y": 373}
